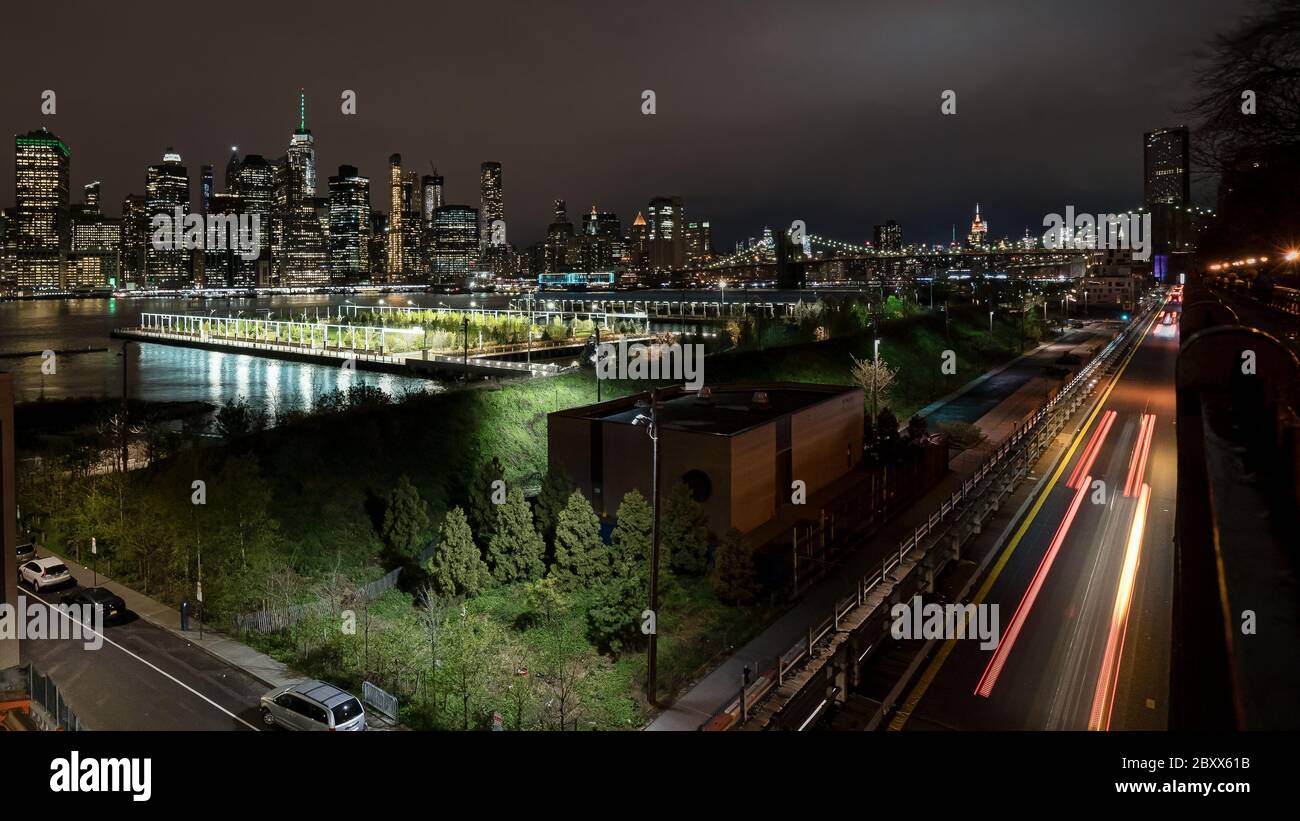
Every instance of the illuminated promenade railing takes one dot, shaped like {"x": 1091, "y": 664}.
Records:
{"x": 323, "y": 340}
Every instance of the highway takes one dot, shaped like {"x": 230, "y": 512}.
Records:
{"x": 144, "y": 678}
{"x": 1084, "y": 584}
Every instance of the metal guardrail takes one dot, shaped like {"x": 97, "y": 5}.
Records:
{"x": 972, "y": 488}
{"x": 45, "y": 692}
{"x": 380, "y": 699}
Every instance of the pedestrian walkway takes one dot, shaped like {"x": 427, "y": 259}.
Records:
{"x": 235, "y": 653}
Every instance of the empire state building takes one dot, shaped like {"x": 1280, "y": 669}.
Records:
{"x": 979, "y": 229}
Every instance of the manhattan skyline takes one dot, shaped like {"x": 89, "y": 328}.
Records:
{"x": 736, "y": 156}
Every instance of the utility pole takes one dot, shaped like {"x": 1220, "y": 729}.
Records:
{"x": 875, "y": 378}
{"x": 652, "y": 423}
{"x": 125, "y": 427}
{"x": 598, "y": 363}
{"x": 466, "y": 318}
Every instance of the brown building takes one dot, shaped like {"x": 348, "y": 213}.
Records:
{"x": 738, "y": 447}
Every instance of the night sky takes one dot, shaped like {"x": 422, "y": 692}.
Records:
{"x": 767, "y": 111}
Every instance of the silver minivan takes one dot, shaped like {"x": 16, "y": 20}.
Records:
{"x": 313, "y": 705}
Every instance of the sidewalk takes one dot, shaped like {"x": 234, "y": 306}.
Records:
{"x": 255, "y": 663}
{"x": 699, "y": 701}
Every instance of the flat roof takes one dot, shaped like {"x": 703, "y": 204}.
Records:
{"x": 728, "y": 410}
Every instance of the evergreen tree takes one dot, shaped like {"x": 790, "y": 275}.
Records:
{"x": 632, "y": 535}
{"x": 405, "y": 528}
{"x": 733, "y": 573}
{"x": 581, "y": 558}
{"x": 457, "y": 568}
{"x": 555, "y": 492}
{"x": 515, "y": 549}
{"x": 614, "y": 620}
{"x": 482, "y": 512}
{"x": 545, "y": 598}
{"x": 684, "y": 533}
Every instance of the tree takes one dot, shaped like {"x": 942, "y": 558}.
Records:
{"x": 962, "y": 435}
{"x": 875, "y": 378}
{"x": 515, "y": 550}
{"x": 482, "y": 512}
{"x": 1248, "y": 130}
{"x": 563, "y": 669}
{"x": 555, "y": 492}
{"x": 544, "y": 597}
{"x": 631, "y": 539}
{"x": 887, "y": 426}
{"x": 470, "y": 642}
{"x": 733, "y": 572}
{"x": 405, "y": 527}
{"x": 1260, "y": 56}
{"x": 242, "y": 501}
{"x": 684, "y": 532}
{"x": 614, "y": 618}
{"x": 581, "y": 558}
{"x": 916, "y": 428}
{"x": 457, "y": 568}
{"x": 236, "y": 418}
{"x": 518, "y": 686}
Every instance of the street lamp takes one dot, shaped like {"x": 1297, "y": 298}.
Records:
{"x": 875, "y": 378}
{"x": 990, "y": 324}
{"x": 652, "y": 428}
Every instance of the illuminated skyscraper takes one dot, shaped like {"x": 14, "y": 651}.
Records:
{"x": 638, "y": 252}
{"x": 42, "y": 221}
{"x": 395, "y": 208}
{"x": 1167, "y": 190}
{"x": 455, "y": 243}
{"x": 378, "y": 246}
{"x": 135, "y": 239}
{"x": 979, "y": 230}
{"x": 559, "y": 242}
{"x": 90, "y": 196}
{"x": 437, "y": 183}
{"x": 232, "y": 168}
{"x": 349, "y": 226}
{"x": 302, "y": 156}
{"x": 95, "y": 257}
{"x": 167, "y": 187}
{"x": 889, "y": 237}
{"x": 432, "y": 198}
{"x": 602, "y": 241}
{"x": 221, "y": 266}
{"x": 255, "y": 185}
{"x": 699, "y": 241}
{"x": 1166, "y": 161}
{"x": 206, "y": 189}
{"x": 491, "y": 204}
{"x": 666, "y": 237}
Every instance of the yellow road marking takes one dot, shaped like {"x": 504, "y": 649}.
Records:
{"x": 918, "y": 691}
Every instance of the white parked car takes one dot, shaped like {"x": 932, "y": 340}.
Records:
{"x": 47, "y": 572}
{"x": 312, "y": 705}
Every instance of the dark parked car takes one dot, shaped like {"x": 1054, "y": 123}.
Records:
{"x": 112, "y": 605}
{"x": 26, "y": 550}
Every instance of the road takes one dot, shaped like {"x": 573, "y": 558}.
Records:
{"x": 1084, "y": 586}
{"x": 144, "y": 678}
